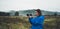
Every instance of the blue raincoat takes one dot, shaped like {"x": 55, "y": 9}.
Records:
{"x": 37, "y": 22}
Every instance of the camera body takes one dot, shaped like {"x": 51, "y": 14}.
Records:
{"x": 29, "y": 14}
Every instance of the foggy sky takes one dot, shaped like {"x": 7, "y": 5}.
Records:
{"x": 48, "y": 5}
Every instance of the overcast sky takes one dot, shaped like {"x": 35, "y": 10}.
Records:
{"x": 48, "y": 5}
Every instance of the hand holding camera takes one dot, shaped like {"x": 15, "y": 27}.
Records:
{"x": 29, "y": 15}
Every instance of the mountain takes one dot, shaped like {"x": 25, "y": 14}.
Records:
{"x": 25, "y": 12}
{"x": 33, "y": 12}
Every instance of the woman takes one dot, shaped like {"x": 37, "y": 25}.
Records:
{"x": 37, "y": 22}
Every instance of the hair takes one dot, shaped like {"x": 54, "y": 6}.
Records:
{"x": 39, "y": 12}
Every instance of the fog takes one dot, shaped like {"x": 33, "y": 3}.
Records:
{"x": 16, "y": 5}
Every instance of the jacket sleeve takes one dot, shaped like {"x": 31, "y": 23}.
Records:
{"x": 30, "y": 20}
{"x": 39, "y": 20}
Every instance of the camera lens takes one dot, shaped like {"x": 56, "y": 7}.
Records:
{"x": 27, "y": 14}
{"x": 30, "y": 14}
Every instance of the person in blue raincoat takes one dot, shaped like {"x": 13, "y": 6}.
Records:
{"x": 38, "y": 21}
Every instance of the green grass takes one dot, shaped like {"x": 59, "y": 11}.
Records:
{"x": 20, "y": 22}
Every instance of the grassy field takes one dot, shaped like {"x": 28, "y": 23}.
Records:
{"x": 20, "y": 22}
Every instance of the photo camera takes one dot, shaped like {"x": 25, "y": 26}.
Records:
{"x": 29, "y": 14}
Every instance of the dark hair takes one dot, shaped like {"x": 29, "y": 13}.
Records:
{"x": 39, "y": 11}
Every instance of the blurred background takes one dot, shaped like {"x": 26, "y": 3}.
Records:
{"x": 13, "y": 13}
{"x": 19, "y": 20}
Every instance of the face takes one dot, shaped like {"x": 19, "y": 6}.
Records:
{"x": 37, "y": 14}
